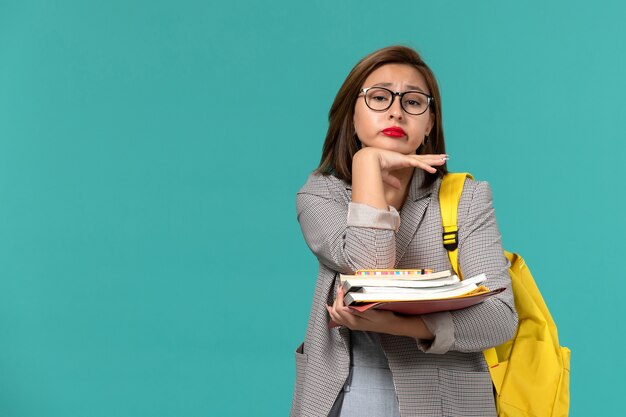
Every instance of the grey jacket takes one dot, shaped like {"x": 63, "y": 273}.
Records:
{"x": 444, "y": 377}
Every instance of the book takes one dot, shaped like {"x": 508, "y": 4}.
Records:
{"x": 421, "y": 294}
{"x": 404, "y": 274}
{"x": 444, "y": 290}
{"x": 352, "y": 282}
{"x": 417, "y": 307}
{"x": 386, "y": 293}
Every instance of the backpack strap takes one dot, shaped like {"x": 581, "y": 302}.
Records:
{"x": 449, "y": 197}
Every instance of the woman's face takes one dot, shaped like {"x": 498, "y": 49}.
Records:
{"x": 393, "y": 129}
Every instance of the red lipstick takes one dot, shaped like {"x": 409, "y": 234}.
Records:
{"x": 394, "y": 132}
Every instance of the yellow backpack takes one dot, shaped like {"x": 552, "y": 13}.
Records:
{"x": 530, "y": 372}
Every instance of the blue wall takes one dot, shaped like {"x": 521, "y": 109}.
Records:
{"x": 150, "y": 260}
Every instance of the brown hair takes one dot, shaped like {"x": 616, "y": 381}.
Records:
{"x": 341, "y": 142}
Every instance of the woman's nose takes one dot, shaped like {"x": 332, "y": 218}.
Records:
{"x": 395, "y": 111}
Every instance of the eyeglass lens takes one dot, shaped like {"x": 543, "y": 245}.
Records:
{"x": 381, "y": 99}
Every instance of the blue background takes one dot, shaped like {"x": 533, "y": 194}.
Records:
{"x": 151, "y": 263}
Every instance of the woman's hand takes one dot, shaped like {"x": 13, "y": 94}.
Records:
{"x": 390, "y": 161}
{"x": 373, "y": 169}
{"x": 379, "y": 321}
{"x": 371, "y": 320}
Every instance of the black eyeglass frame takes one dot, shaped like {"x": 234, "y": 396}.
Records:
{"x": 395, "y": 94}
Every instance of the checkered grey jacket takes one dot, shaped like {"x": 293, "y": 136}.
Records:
{"x": 444, "y": 377}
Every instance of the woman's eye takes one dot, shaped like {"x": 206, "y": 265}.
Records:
{"x": 413, "y": 102}
{"x": 379, "y": 98}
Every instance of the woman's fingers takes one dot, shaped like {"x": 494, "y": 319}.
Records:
{"x": 425, "y": 167}
{"x": 339, "y": 298}
{"x": 371, "y": 320}
{"x": 337, "y": 306}
{"x": 334, "y": 316}
{"x": 430, "y": 159}
{"x": 341, "y": 314}
{"x": 428, "y": 162}
{"x": 393, "y": 160}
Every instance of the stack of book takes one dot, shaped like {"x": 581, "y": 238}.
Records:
{"x": 412, "y": 291}
{"x": 405, "y": 285}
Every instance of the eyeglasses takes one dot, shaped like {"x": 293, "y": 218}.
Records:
{"x": 381, "y": 99}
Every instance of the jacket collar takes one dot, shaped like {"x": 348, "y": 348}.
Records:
{"x": 420, "y": 186}
{"x": 413, "y": 210}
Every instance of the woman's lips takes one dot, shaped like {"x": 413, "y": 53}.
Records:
{"x": 394, "y": 132}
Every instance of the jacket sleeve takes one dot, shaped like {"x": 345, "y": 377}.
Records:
{"x": 494, "y": 321}
{"x": 345, "y": 236}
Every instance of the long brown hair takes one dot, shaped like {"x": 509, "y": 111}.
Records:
{"x": 341, "y": 142}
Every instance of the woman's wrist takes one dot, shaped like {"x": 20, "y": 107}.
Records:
{"x": 414, "y": 327}
{"x": 367, "y": 183}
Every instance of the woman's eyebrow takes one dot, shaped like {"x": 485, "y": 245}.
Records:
{"x": 410, "y": 87}
{"x": 414, "y": 87}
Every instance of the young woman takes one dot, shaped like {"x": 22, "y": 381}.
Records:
{"x": 373, "y": 203}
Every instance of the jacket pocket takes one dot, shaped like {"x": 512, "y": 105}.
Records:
{"x": 301, "y": 364}
{"x": 466, "y": 394}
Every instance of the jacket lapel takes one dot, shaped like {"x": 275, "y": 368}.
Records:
{"x": 413, "y": 211}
